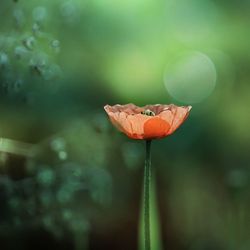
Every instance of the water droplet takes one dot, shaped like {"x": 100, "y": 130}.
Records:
{"x": 35, "y": 28}
{"x": 67, "y": 214}
{"x": 51, "y": 72}
{"x": 4, "y": 59}
{"x": 39, "y": 13}
{"x": 68, "y": 9}
{"x": 17, "y": 85}
{"x": 20, "y": 52}
{"x": 77, "y": 172}
{"x": 62, "y": 155}
{"x": 38, "y": 63}
{"x": 19, "y": 17}
{"x": 55, "y": 44}
{"x": 29, "y": 42}
{"x": 57, "y": 144}
{"x": 45, "y": 177}
{"x": 64, "y": 195}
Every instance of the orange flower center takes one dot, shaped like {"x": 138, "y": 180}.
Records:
{"x": 156, "y": 127}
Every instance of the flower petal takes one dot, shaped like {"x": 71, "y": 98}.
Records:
{"x": 137, "y": 123}
{"x": 167, "y": 115}
{"x": 179, "y": 116}
{"x": 128, "y": 108}
{"x": 120, "y": 121}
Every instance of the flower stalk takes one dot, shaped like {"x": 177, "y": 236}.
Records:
{"x": 147, "y": 123}
{"x": 147, "y": 178}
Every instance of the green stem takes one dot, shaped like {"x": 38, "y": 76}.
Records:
{"x": 147, "y": 177}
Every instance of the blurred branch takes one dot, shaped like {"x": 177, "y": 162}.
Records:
{"x": 17, "y": 147}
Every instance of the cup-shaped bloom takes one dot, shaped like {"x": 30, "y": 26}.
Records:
{"x": 148, "y": 122}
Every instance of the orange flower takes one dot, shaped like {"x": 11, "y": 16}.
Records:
{"x": 148, "y": 122}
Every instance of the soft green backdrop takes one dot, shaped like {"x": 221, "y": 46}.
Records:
{"x": 68, "y": 179}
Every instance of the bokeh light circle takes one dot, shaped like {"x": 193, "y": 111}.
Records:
{"x": 191, "y": 78}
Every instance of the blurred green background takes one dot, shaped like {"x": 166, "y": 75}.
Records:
{"x": 68, "y": 179}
